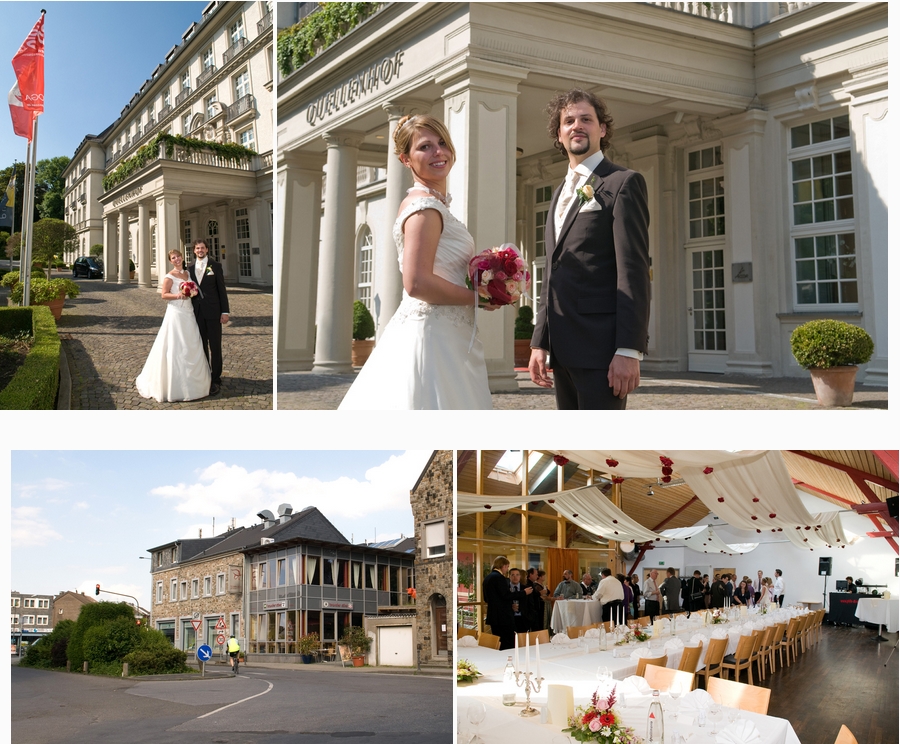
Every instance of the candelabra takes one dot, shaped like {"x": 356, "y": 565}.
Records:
{"x": 529, "y": 681}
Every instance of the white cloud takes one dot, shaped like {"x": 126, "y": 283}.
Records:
{"x": 224, "y": 491}
{"x": 81, "y": 505}
{"x": 29, "y": 490}
{"x": 30, "y": 528}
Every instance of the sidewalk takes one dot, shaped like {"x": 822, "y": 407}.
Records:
{"x": 107, "y": 332}
{"x": 219, "y": 671}
{"x": 658, "y": 391}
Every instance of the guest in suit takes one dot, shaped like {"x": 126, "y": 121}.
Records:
{"x": 567, "y": 588}
{"x": 757, "y": 586}
{"x": 671, "y": 592}
{"x": 596, "y": 288}
{"x": 651, "y": 595}
{"x": 499, "y": 599}
{"x": 588, "y": 585}
{"x": 778, "y": 587}
{"x": 210, "y": 309}
{"x": 537, "y": 599}
{"x": 521, "y": 615}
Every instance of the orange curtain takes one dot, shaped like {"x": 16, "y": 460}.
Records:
{"x": 558, "y": 560}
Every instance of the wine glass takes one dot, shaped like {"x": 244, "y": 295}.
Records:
{"x": 715, "y": 715}
{"x": 603, "y": 676}
{"x": 675, "y": 692}
{"x": 476, "y": 714}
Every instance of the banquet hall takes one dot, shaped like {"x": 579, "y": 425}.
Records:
{"x": 818, "y": 666}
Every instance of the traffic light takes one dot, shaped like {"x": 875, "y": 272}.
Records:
{"x": 97, "y": 590}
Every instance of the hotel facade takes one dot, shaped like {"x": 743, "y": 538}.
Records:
{"x": 761, "y": 129}
{"x": 138, "y": 189}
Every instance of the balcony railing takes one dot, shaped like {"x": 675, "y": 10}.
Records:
{"x": 748, "y": 15}
{"x": 243, "y": 105}
{"x": 206, "y": 75}
{"x": 164, "y": 112}
{"x": 265, "y": 23}
{"x": 234, "y": 50}
{"x": 182, "y": 96}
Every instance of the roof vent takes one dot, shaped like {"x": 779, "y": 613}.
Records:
{"x": 284, "y": 512}
{"x": 267, "y": 517}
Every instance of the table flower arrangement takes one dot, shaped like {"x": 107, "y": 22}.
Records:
{"x": 717, "y": 616}
{"x": 466, "y": 671}
{"x": 635, "y": 633}
{"x": 498, "y": 275}
{"x": 599, "y": 722}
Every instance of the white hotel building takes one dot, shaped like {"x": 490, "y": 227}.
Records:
{"x": 216, "y": 85}
{"x": 762, "y": 130}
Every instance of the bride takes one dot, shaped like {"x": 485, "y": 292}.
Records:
{"x": 428, "y": 356}
{"x": 176, "y": 368}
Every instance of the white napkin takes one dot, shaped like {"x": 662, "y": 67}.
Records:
{"x": 636, "y": 685}
{"x": 467, "y": 642}
{"x": 739, "y": 732}
{"x": 592, "y": 633}
{"x": 695, "y": 700}
{"x": 719, "y": 633}
{"x": 561, "y": 639}
{"x": 675, "y": 645}
{"x": 643, "y": 652}
{"x": 697, "y": 639}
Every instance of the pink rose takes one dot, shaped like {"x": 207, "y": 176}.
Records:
{"x": 595, "y": 725}
{"x": 501, "y": 276}
{"x": 518, "y": 276}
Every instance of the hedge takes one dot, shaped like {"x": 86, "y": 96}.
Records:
{"x": 35, "y": 384}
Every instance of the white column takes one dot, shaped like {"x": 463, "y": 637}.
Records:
{"x": 480, "y": 100}
{"x": 334, "y": 310}
{"x": 261, "y": 239}
{"x": 123, "y": 247}
{"x": 167, "y": 232}
{"x": 110, "y": 245}
{"x": 143, "y": 243}
{"x": 300, "y": 210}
{"x": 227, "y": 245}
{"x": 388, "y": 285}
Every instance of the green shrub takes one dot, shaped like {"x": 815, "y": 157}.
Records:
{"x": 357, "y": 639}
{"x": 157, "y": 660}
{"x": 10, "y": 279}
{"x": 363, "y": 323}
{"x": 830, "y": 343}
{"x": 96, "y": 249}
{"x": 91, "y": 615}
{"x": 524, "y": 327}
{"x": 110, "y": 641}
{"x": 49, "y": 651}
{"x": 45, "y": 290}
{"x": 35, "y": 383}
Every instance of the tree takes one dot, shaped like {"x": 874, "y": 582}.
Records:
{"x": 91, "y": 615}
{"x": 51, "y": 239}
{"x": 50, "y": 187}
{"x": 97, "y": 249}
{"x": 12, "y": 246}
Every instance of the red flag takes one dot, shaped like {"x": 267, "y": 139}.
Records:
{"x": 28, "y": 63}
{"x": 21, "y": 119}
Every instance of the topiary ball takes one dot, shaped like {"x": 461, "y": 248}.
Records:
{"x": 822, "y": 344}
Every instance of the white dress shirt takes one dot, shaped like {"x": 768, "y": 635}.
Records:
{"x": 200, "y": 268}
{"x": 609, "y": 590}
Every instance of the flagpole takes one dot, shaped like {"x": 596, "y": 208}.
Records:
{"x": 24, "y": 202}
{"x": 26, "y": 269}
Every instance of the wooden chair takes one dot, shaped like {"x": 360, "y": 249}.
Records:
{"x": 820, "y": 618}
{"x": 489, "y": 641}
{"x": 607, "y": 626}
{"x": 644, "y": 662}
{"x": 662, "y": 678}
{"x": 689, "y": 658}
{"x": 534, "y": 637}
{"x": 777, "y": 637}
{"x": 803, "y": 631}
{"x": 713, "y": 659}
{"x": 743, "y": 658}
{"x": 736, "y": 695}
{"x": 789, "y": 642}
{"x": 462, "y": 632}
{"x": 643, "y": 622}
{"x": 764, "y": 651}
{"x": 574, "y": 630}
{"x": 845, "y": 737}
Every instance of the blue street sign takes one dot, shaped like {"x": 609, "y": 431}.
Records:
{"x": 204, "y": 653}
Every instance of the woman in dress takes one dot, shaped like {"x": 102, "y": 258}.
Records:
{"x": 765, "y": 592}
{"x": 176, "y": 368}
{"x": 428, "y": 356}
{"x": 742, "y": 595}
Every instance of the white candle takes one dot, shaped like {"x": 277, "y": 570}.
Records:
{"x": 517, "y": 653}
{"x": 527, "y": 656}
{"x": 537, "y": 652}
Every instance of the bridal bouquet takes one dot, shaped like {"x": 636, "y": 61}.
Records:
{"x": 189, "y": 289}
{"x": 498, "y": 275}
{"x": 599, "y": 722}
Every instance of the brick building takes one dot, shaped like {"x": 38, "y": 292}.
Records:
{"x": 432, "y": 504}
{"x": 67, "y": 606}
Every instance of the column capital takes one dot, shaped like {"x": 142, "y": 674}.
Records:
{"x": 343, "y": 138}
{"x": 482, "y": 74}
{"x": 301, "y": 159}
{"x": 406, "y": 106}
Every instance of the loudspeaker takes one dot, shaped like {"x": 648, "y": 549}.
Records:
{"x": 892, "y": 506}
{"x": 825, "y": 566}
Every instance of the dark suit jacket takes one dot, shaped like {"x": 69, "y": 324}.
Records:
{"x": 213, "y": 299}
{"x": 495, "y": 592}
{"x": 596, "y": 287}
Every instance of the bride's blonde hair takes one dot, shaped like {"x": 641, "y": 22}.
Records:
{"x": 409, "y": 125}
{"x": 175, "y": 252}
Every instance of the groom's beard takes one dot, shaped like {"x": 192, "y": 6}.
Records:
{"x": 579, "y": 148}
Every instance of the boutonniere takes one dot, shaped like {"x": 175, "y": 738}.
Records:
{"x": 586, "y": 192}
{"x": 209, "y": 270}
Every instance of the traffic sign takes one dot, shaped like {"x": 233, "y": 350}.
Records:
{"x": 204, "y": 653}
{"x": 196, "y": 624}
{"x": 196, "y": 616}
{"x": 221, "y": 624}
{"x": 220, "y": 639}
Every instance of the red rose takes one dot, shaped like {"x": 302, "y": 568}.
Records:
{"x": 612, "y": 463}
{"x": 497, "y": 291}
{"x": 560, "y": 460}
{"x": 707, "y": 471}
{"x": 721, "y": 500}
{"x": 589, "y": 716}
{"x": 667, "y": 470}
{"x": 666, "y": 479}
{"x": 616, "y": 479}
{"x": 665, "y": 460}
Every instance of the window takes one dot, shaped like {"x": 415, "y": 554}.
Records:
{"x": 245, "y": 138}
{"x": 207, "y": 59}
{"x": 42, "y": 620}
{"x": 435, "y": 539}
{"x": 706, "y": 194}
{"x": 282, "y": 572}
{"x": 220, "y": 583}
{"x": 364, "y": 277}
{"x": 237, "y": 30}
{"x": 184, "y": 594}
{"x": 167, "y": 98}
{"x": 823, "y": 229}
{"x": 16, "y": 601}
{"x": 45, "y": 603}
{"x": 14, "y": 620}
{"x": 159, "y": 592}
{"x": 241, "y": 85}
{"x": 173, "y": 591}
{"x": 187, "y": 232}
{"x": 207, "y": 586}
{"x": 242, "y": 234}
{"x": 195, "y": 588}
{"x": 542, "y": 197}
{"x": 186, "y": 124}
{"x": 28, "y": 603}
{"x": 210, "y": 110}
{"x": 185, "y": 81}
{"x": 27, "y": 619}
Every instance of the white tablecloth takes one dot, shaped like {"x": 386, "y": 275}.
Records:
{"x": 884, "y": 612}
{"x": 574, "y": 613}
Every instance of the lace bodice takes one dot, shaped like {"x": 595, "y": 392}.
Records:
{"x": 455, "y": 248}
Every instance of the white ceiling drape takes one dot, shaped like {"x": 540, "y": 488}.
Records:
{"x": 703, "y": 539}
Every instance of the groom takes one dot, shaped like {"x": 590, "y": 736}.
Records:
{"x": 210, "y": 309}
{"x": 595, "y": 302}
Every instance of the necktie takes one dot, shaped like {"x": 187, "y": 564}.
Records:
{"x": 565, "y": 199}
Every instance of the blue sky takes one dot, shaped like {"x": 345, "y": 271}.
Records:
{"x": 97, "y": 56}
{"x": 85, "y": 517}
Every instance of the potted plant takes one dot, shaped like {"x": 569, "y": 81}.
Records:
{"x": 308, "y": 644}
{"x": 363, "y": 333}
{"x": 50, "y": 292}
{"x": 831, "y": 351}
{"x": 524, "y": 329}
{"x": 358, "y": 642}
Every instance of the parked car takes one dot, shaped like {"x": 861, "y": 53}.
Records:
{"x": 87, "y": 266}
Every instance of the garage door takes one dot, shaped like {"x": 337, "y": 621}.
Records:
{"x": 395, "y": 645}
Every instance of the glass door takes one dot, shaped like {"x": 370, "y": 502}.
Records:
{"x": 706, "y": 310}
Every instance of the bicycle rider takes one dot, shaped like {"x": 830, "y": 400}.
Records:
{"x": 234, "y": 648}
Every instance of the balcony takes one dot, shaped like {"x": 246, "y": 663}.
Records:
{"x": 748, "y": 15}
{"x": 206, "y": 75}
{"x": 182, "y": 96}
{"x": 165, "y": 111}
{"x": 241, "y": 107}
{"x": 264, "y": 24}
{"x": 234, "y": 50}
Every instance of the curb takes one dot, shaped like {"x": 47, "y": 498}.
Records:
{"x": 64, "y": 394}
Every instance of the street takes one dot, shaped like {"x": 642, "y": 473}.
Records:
{"x": 260, "y": 706}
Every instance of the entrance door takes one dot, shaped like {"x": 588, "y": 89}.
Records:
{"x": 439, "y": 613}
{"x": 706, "y": 310}
{"x": 212, "y": 240}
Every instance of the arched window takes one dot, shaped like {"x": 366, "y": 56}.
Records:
{"x": 364, "y": 273}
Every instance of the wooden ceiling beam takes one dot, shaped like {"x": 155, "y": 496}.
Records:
{"x": 674, "y": 514}
{"x": 823, "y": 492}
{"x": 876, "y": 479}
{"x": 890, "y": 459}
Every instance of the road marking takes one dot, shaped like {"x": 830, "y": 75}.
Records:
{"x": 237, "y": 702}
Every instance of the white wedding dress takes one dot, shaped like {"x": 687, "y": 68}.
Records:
{"x": 423, "y": 360}
{"x": 176, "y": 368}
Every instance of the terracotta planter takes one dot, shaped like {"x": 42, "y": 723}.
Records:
{"x": 358, "y": 661}
{"x": 360, "y": 352}
{"x": 522, "y": 352}
{"x": 834, "y": 386}
{"x": 56, "y": 306}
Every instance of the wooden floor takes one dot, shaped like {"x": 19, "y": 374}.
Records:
{"x": 842, "y": 680}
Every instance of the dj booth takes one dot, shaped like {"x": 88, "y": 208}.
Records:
{"x": 842, "y": 608}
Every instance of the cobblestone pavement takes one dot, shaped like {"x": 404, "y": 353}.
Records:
{"x": 107, "y": 332}
{"x": 658, "y": 391}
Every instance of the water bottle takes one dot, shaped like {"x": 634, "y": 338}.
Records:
{"x": 508, "y": 694}
{"x": 602, "y": 638}
{"x": 655, "y": 734}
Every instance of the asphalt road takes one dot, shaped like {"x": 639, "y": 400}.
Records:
{"x": 260, "y": 706}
